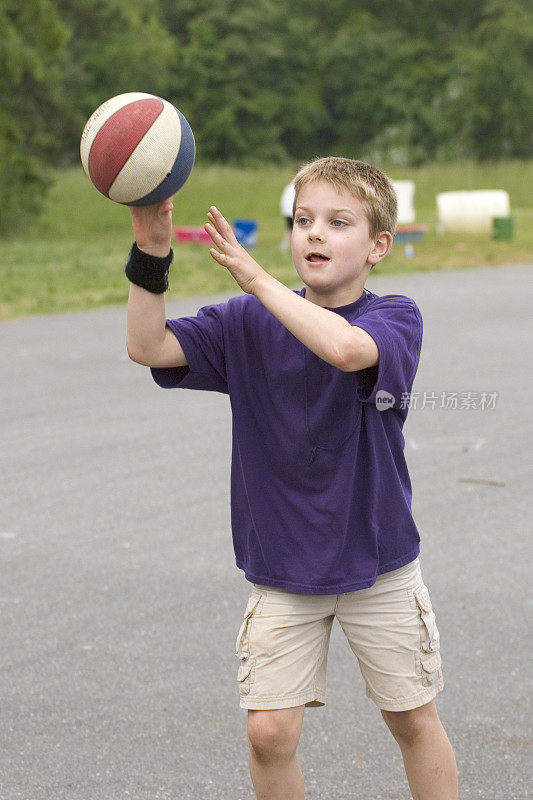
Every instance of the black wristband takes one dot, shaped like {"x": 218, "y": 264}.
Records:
{"x": 149, "y": 272}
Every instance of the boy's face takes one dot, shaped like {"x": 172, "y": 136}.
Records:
{"x": 331, "y": 246}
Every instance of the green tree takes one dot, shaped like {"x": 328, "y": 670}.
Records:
{"x": 238, "y": 78}
{"x": 408, "y": 81}
{"x": 215, "y": 87}
{"x": 382, "y": 92}
{"x": 115, "y": 46}
{"x": 32, "y": 42}
{"x": 490, "y": 94}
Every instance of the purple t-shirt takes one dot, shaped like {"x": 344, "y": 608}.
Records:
{"x": 320, "y": 492}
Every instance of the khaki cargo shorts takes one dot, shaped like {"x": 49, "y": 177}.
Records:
{"x": 284, "y": 638}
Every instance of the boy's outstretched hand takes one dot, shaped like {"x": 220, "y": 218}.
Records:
{"x": 233, "y": 256}
{"x": 152, "y": 227}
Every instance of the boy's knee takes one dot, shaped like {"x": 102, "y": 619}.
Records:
{"x": 408, "y": 727}
{"x": 274, "y": 735}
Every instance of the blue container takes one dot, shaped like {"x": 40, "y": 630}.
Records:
{"x": 246, "y": 231}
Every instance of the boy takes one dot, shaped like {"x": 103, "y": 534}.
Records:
{"x": 321, "y": 497}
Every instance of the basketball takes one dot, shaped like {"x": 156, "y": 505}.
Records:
{"x": 137, "y": 149}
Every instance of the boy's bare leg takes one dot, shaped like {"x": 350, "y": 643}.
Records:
{"x": 427, "y": 753}
{"x": 273, "y": 738}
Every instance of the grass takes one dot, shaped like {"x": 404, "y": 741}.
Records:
{"x": 73, "y": 257}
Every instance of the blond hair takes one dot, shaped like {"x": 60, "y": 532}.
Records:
{"x": 367, "y": 183}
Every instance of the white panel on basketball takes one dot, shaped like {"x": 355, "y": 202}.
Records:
{"x": 153, "y": 158}
{"x": 100, "y": 116}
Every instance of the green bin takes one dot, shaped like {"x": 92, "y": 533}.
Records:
{"x": 503, "y": 228}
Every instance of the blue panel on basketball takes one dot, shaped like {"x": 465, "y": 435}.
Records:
{"x": 180, "y": 171}
{"x": 137, "y": 149}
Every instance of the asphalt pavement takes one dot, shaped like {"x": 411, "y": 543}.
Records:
{"x": 119, "y": 596}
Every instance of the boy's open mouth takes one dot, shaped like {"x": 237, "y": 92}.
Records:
{"x": 316, "y": 258}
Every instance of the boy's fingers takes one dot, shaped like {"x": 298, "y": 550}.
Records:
{"x": 218, "y": 221}
{"x": 222, "y": 224}
{"x": 220, "y": 258}
{"x": 217, "y": 238}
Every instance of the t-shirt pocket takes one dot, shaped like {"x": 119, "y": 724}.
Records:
{"x": 332, "y": 408}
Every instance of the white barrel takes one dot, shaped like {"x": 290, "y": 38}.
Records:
{"x": 286, "y": 202}
{"x": 405, "y": 192}
{"x": 471, "y": 211}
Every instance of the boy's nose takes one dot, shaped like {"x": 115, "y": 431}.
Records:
{"x": 315, "y": 234}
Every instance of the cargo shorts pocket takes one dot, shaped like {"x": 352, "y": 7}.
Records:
{"x": 245, "y": 676}
{"x": 246, "y": 671}
{"x": 429, "y": 657}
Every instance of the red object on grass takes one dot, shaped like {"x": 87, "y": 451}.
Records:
{"x": 191, "y": 233}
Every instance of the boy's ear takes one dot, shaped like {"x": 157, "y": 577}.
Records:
{"x": 382, "y": 246}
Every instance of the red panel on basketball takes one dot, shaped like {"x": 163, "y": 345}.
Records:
{"x": 118, "y": 138}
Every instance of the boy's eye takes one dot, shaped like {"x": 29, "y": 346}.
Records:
{"x": 301, "y": 221}
{"x": 338, "y": 223}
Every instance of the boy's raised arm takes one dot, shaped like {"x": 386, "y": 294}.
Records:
{"x": 328, "y": 335}
{"x": 148, "y": 339}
